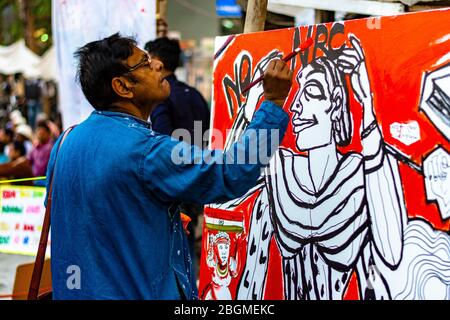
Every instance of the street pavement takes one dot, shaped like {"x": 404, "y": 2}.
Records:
{"x": 8, "y": 265}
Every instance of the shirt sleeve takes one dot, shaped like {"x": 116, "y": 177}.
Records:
{"x": 177, "y": 171}
{"x": 30, "y": 156}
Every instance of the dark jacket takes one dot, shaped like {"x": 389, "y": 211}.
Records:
{"x": 184, "y": 106}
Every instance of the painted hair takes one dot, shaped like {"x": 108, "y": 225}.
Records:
{"x": 342, "y": 128}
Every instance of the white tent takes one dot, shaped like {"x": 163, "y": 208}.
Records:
{"x": 47, "y": 68}
{"x": 18, "y": 58}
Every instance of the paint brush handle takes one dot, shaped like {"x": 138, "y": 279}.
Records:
{"x": 303, "y": 47}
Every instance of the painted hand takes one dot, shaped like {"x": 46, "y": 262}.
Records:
{"x": 353, "y": 62}
{"x": 257, "y": 92}
{"x": 437, "y": 175}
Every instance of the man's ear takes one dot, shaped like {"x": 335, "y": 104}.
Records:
{"x": 122, "y": 87}
{"x": 336, "y": 103}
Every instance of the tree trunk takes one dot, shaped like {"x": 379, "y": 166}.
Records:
{"x": 161, "y": 18}
{"x": 27, "y": 17}
{"x": 255, "y": 19}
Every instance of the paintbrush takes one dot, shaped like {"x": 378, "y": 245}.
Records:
{"x": 291, "y": 55}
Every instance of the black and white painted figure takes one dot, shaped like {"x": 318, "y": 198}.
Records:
{"x": 328, "y": 212}
{"x": 333, "y": 214}
{"x": 319, "y": 207}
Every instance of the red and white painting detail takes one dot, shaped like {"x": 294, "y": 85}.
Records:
{"x": 355, "y": 204}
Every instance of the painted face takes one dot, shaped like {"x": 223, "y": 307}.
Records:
{"x": 150, "y": 84}
{"x": 312, "y": 110}
{"x": 224, "y": 252}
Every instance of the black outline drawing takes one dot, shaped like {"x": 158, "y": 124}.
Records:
{"x": 348, "y": 212}
{"x": 435, "y": 98}
{"x": 247, "y": 108}
{"x": 323, "y": 224}
{"x": 437, "y": 179}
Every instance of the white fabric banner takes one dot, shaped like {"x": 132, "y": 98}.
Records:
{"x": 77, "y": 22}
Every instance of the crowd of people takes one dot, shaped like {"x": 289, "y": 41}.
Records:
{"x": 29, "y": 125}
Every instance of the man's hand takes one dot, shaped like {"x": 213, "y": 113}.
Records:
{"x": 277, "y": 81}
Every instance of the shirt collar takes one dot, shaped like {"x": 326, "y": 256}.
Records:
{"x": 124, "y": 116}
{"x": 171, "y": 78}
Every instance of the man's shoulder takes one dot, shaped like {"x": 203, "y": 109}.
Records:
{"x": 109, "y": 131}
{"x": 183, "y": 87}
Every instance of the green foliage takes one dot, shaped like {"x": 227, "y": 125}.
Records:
{"x": 14, "y": 31}
{"x": 40, "y": 10}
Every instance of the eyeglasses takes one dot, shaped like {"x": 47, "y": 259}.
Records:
{"x": 146, "y": 60}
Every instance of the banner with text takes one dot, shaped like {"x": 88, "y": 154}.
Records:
{"x": 78, "y": 22}
{"x": 21, "y": 217}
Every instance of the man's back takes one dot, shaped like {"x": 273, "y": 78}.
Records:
{"x": 105, "y": 219}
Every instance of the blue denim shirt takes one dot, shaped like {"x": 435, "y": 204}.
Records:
{"x": 116, "y": 231}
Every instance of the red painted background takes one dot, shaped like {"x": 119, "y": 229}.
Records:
{"x": 397, "y": 55}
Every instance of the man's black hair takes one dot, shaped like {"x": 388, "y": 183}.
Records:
{"x": 18, "y": 76}
{"x": 43, "y": 124}
{"x": 99, "y": 62}
{"x": 167, "y": 50}
{"x": 9, "y": 133}
{"x": 19, "y": 146}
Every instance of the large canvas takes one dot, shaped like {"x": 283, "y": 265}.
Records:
{"x": 355, "y": 204}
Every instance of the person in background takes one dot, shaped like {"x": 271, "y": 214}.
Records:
{"x": 181, "y": 110}
{"x": 54, "y": 128}
{"x": 19, "y": 166}
{"x": 3, "y": 156}
{"x": 185, "y": 105}
{"x": 24, "y": 134}
{"x": 6, "y": 137}
{"x": 17, "y": 121}
{"x": 4, "y": 93}
{"x": 33, "y": 100}
{"x": 40, "y": 154}
{"x": 18, "y": 96}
